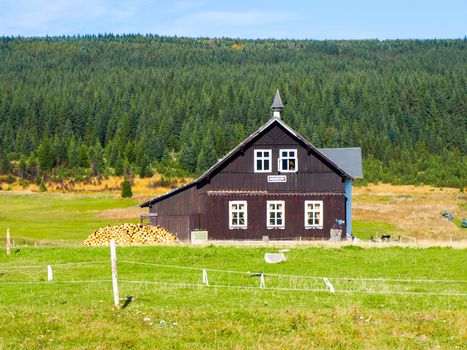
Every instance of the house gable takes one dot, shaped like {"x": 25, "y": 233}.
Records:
{"x": 238, "y": 165}
{"x": 313, "y": 173}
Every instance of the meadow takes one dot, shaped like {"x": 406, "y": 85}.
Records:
{"x": 65, "y": 219}
{"x": 171, "y": 308}
{"x": 385, "y": 297}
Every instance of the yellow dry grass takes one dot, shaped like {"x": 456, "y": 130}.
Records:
{"x": 130, "y": 213}
{"x": 414, "y": 210}
{"x": 112, "y": 184}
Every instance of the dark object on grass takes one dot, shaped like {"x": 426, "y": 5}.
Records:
{"x": 464, "y": 223}
{"x": 448, "y": 215}
{"x": 385, "y": 238}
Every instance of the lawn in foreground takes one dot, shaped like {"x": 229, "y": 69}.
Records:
{"x": 169, "y": 316}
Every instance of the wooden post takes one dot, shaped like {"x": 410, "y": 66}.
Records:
{"x": 113, "y": 260}
{"x": 49, "y": 273}
{"x": 8, "y": 241}
{"x": 205, "y": 278}
{"x": 261, "y": 282}
{"x": 331, "y": 287}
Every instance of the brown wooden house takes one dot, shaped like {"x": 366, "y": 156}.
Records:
{"x": 274, "y": 184}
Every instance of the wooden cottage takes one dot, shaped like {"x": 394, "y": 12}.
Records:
{"x": 274, "y": 184}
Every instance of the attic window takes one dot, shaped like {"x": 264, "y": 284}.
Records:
{"x": 262, "y": 161}
{"x": 288, "y": 161}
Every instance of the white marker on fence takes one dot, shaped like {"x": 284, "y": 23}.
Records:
{"x": 7, "y": 241}
{"x": 205, "y": 278}
{"x": 331, "y": 288}
{"x": 49, "y": 273}
{"x": 261, "y": 283}
{"x": 113, "y": 260}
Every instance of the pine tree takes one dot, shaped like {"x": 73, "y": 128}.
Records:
{"x": 97, "y": 159}
{"x": 83, "y": 158}
{"x": 42, "y": 186}
{"x": 126, "y": 189}
{"x": 45, "y": 156}
{"x": 145, "y": 168}
{"x": 207, "y": 156}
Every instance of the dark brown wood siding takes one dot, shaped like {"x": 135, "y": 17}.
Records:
{"x": 218, "y": 214}
{"x": 180, "y": 213}
{"x": 313, "y": 174}
{"x": 205, "y": 204}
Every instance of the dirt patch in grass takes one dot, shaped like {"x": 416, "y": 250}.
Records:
{"x": 415, "y": 211}
{"x": 131, "y": 213}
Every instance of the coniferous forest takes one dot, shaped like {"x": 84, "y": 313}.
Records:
{"x": 102, "y": 105}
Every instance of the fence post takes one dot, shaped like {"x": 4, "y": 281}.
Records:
{"x": 331, "y": 287}
{"x": 8, "y": 241}
{"x": 205, "y": 277}
{"x": 261, "y": 283}
{"x": 113, "y": 260}
{"x": 49, "y": 273}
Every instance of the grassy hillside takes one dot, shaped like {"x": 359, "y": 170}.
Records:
{"x": 169, "y": 314}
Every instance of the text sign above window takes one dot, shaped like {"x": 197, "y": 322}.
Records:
{"x": 277, "y": 178}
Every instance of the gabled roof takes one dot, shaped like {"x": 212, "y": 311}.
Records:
{"x": 349, "y": 159}
{"x": 242, "y": 146}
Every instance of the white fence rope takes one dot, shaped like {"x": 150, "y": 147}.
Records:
{"x": 179, "y": 284}
{"x": 290, "y": 289}
{"x": 45, "y": 265}
{"x": 261, "y": 286}
{"x": 376, "y": 279}
{"x": 57, "y": 282}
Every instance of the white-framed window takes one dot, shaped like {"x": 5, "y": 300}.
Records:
{"x": 313, "y": 214}
{"x": 263, "y": 161}
{"x": 288, "y": 160}
{"x": 275, "y": 214}
{"x": 238, "y": 214}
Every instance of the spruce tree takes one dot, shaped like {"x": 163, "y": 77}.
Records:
{"x": 126, "y": 189}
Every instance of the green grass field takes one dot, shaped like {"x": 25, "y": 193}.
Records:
{"x": 170, "y": 308}
{"x": 55, "y": 217}
{"x": 170, "y": 314}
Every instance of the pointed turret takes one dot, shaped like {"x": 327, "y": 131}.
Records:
{"x": 277, "y": 107}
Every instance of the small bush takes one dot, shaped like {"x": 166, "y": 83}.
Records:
{"x": 126, "y": 189}
{"x": 24, "y": 183}
{"x": 42, "y": 187}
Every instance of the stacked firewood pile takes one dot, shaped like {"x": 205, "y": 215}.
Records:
{"x": 130, "y": 234}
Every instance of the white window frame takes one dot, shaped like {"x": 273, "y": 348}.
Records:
{"x": 279, "y": 165}
{"x": 263, "y": 158}
{"x": 313, "y": 203}
{"x": 231, "y": 214}
{"x": 269, "y": 211}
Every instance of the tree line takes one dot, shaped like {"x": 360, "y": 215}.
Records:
{"x": 129, "y": 104}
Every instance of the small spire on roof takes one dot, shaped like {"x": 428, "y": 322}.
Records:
{"x": 277, "y": 107}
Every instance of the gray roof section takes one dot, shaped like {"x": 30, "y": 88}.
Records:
{"x": 349, "y": 159}
{"x": 277, "y": 103}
